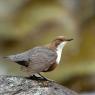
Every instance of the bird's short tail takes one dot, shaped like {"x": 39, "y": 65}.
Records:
{"x": 4, "y": 58}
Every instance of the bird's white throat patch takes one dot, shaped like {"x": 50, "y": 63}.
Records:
{"x": 59, "y": 51}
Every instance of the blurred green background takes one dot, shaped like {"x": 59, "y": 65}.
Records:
{"x": 28, "y": 23}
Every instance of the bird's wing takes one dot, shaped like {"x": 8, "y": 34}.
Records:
{"x": 42, "y": 58}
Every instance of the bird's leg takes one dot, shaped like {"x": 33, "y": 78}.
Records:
{"x": 44, "y": 78}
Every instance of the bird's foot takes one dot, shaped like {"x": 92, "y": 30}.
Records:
{"x": 34, "y": 77}
{"x": 41, "y": 78}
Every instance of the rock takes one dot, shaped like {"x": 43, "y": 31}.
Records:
{"x": 16, "y": 85}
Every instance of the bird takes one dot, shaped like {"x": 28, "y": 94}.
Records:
{"x": 41, "y": 58}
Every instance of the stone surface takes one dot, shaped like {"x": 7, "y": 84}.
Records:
{"x": 14, "y": 85}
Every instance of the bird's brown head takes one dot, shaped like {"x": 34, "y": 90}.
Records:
{"x": 59, "y": 40}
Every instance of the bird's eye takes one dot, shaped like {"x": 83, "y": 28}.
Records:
{"x": 61, "y": 40}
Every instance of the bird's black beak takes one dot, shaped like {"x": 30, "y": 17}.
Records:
{"x": 68, "y": 39}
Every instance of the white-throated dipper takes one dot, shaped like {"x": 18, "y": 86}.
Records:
{"x": 41, "y": 58}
